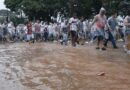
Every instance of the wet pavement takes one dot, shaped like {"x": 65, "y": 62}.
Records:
{"x": 48, "y": 66}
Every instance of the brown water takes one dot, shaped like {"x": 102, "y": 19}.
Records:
{"x": 54, "y": 67}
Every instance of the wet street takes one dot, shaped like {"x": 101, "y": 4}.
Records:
{"x": 50, "y": 66}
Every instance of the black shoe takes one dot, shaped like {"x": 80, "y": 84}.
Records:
{"x": 115, "y": 47}
{"x": 77, "y": 42}
{"x": 97, "y": 48}
{"x": 33, "y": 41}
{"x": 74, "y": 45}
{"x": 103, "y": 49}
{"x": 105, "y": 45}
{"x": 61, "y": 43}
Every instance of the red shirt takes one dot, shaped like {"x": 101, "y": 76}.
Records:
{"x": 101, "y": 21}
{"x": 29, "y": 27}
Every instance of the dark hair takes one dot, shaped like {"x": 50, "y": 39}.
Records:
{"x": 128, "y": 12}
{"x": 113, "y": 12}
{"x": 74, "y": 14}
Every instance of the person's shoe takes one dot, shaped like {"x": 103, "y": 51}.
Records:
{"x": 74, "y": 45}
{"x": 77, "y": 42}
{"x": 115, "y": 47}
{"x": 33, "y": 41}
{"x": 103, "y": 49}
{"x": 61, "y": 43}
{"x": 97, "y": 48}
{"x": 105, "y": 45}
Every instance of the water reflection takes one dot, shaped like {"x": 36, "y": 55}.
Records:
{"x": 52, "y": 67}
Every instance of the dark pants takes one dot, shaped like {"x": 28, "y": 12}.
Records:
{"x": 37, "y": 36}
{"x": 74, "y": 37}
{"x": 111, "y": 38}
{"x": 100, "y": 39}
{"x": 46, "y": 36}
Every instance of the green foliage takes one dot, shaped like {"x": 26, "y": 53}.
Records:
{"x": 43, "y": 9}
{"x": 2, "y": 19}
{"x": 17, "y": 20}
{"x": 13, "y": 5}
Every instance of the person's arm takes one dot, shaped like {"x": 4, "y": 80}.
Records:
{"x": 108, "y": 25}
{"x": 117, "y": 22}
{"x": 94, "y": 20}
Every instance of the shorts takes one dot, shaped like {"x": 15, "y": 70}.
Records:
{"x": 100, "y": 32}
{"x": 30, "y": 37}
{"x": 100, "y": 38}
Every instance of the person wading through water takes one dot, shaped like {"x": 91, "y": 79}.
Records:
{"x": 30, "y": 37}
{"x": 73, "y": 22}
{"x": 100, "y": 21}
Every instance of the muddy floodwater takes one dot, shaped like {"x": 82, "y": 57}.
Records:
{"x": 50, "y": 66}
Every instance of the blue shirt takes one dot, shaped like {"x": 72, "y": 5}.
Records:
{"x": 112, "y": 23}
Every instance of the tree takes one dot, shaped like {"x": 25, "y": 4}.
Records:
{"x": 13, "y": 5}
{"x": 43, "y": 9}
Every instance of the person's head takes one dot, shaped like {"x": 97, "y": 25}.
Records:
{"x": 82, "y": 18}
{"x": 114, "y": 14}
{"x": 30, "y": 22}
{"x": 38, "y": 21}
{"x": 102, "y": 11}
{"x": 74, "y": 15}
{"x": 120, "y": 13}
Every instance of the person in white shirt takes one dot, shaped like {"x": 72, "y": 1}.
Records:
{"x": 127, "y": 32}
{"x": 11, "y": 30}
{"x": 85, "y": 28}
{"x": 64, "y": 31}
{"x": 121, "y": 26}
{"x": 50, "y": 30}
{"x": 37, "y": 27}
{"x": 55, "y": 36}
{"x": 73, "y": 29}
{"x": 21, "y": 31}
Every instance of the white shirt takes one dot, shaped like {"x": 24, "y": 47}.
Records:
{"x": 120, "y": 20}
{"x": 11, "y": 28}
{"x": 42, "y": 27}
{"x": 50, "y": 29}
{"x": 62, "y": 25}
{"x": 74, "y": 23}
{"x": 85, "y": 25}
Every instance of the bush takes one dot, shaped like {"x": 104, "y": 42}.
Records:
{"x": 17, "y": 20}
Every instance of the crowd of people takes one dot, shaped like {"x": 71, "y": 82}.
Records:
{"x": 77, "y": 30}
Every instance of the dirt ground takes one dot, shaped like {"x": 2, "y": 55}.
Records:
{"x": 50, "y": 66}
